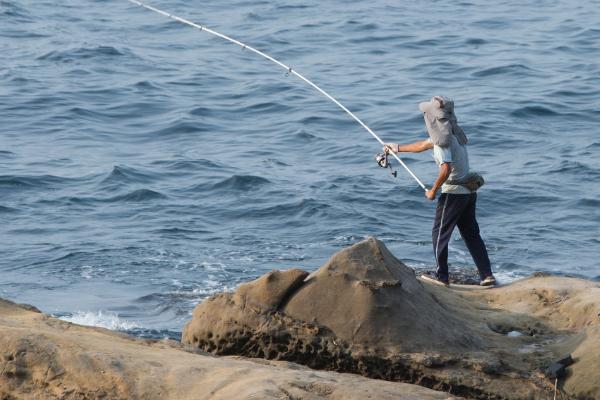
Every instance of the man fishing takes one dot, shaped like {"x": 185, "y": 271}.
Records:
{"x": 456, "y": 204}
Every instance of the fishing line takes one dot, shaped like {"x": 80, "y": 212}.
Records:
{"x": 282, "y": 65}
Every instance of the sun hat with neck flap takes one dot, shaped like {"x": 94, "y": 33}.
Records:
{"x": 441, "y": 122}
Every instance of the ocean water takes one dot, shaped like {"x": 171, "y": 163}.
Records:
{"x": 145, "y": 165}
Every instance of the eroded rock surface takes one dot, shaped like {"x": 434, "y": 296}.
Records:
{"x": 48, "y": 359}
{"x": 366, "y": 312}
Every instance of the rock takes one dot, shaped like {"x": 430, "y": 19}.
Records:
{"x": 370, "y": 299}
{"x": 268, "y": 292}
{"x": 569, "y": 306}
{"x": 44, "y": 358}
{"x": 30, "y": 308}
{"x": 365, "y": 312}
{"x": 555, "y": 370}
{"x": 362, "y": 298}
{"x": 566, "y": 360}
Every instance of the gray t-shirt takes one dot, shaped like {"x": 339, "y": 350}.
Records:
{"x": 458, "y": 156}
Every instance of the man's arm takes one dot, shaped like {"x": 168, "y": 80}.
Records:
{"x": 444, "y": 173}
{"x": 416, "y": 147}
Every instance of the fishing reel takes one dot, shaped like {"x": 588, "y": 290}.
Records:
{"x": 383, "y": 162}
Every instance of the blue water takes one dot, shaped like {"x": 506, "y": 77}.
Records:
{"x": 145, "y": 165}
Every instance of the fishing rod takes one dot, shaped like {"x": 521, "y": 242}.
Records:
{"x": 282, "y": 65}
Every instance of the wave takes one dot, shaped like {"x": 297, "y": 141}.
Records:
{"x": 385, "y": 38}
{"x": 136, "y": 196}
{"x": 286, "y": 7}
{"x": 20, "y": 34}
{"x": 242, "y": 183}
{"x": 491, "y": 23}
{"x": 266, "y": 107}
{"x": 102, "y": 319}
{"x": 81, "y": 112}
{"x": 145, "y": 85}
{"x": 273, "y": 162}
{"x": 25, "y": 182}
{"x": 121, "y": 174}
{"x": 304, "y": 208}
{"x": 359, "y": 26}
{"x": 188, "y": 294}
{"x": 148, "y": 333}
{"x": 202, "y": 111}
{"x": 595, "y": 145}
{"x": 335, "y": 123}
{"x": 589, "y": 33}
{"x": 475, "y": 41}
{"x": 594, "y": 203}
{"x": 512, "y": 69}
{"x": 180, "y": 232}
{"x": 74, "y": 256}
{"x": 83, "y": 53}
{"x": 533, "y": 111}
{"x": 573, "y": 93}
{"x": 6, "y": 210}
{"x": 577, "y": 167}
{"x": 15, "y": 12}
{"x": 190, "y": 165}
{"x": 306, "y": 137}
{"x": 185, "y": 128}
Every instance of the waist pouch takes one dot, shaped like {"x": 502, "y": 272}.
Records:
{"x": 472, "y": 181}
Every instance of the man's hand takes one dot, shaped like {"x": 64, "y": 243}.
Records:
{"x": 390, "y": 147}
{"x": 430, "y": 194}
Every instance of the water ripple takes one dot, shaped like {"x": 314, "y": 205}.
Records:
{"x": 151, "y": 165}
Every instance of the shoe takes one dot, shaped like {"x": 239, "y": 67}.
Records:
{"x": 435, "y": 280}
{"x": 488, "y": 281}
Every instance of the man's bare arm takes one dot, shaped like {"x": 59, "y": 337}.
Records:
{"x": 416, "y": 147}
{"x": 443, "y": 175}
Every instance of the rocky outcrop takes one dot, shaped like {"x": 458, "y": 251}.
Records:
{"x": 366, "y": 312}
{"x": 569, "y": 306}
{"x": 45, "y": 358}
{"x": 374, "y": 302}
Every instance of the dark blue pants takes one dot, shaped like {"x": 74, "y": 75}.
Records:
{"x": 458, "y": 210}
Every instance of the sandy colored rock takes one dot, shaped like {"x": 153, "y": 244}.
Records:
{"x": 371, "y": 299}
{"x": 269, "y": 291}
{"x": 45, "y": 358}
{"x": 564, "y": 304}
{"x": 365, "y": 312}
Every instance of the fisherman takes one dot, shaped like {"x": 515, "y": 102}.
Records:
{"x": 456, "y": 204}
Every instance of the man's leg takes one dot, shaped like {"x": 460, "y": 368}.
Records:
{"x": 448, "y": 211}
{"x": 469, "y": 230}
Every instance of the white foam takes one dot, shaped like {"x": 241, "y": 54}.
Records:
{"x": 103, "y": 319}
{"x": 86, "y": 271}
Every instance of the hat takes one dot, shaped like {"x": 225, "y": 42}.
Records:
{"x": 441, "y": 122}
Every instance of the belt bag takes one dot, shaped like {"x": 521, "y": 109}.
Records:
{"x": 472, "y": 181}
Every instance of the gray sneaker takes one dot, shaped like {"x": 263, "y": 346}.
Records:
{"x": 488, "y": 281}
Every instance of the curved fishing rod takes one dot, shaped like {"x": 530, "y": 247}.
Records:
{"x": 288, "y": 69}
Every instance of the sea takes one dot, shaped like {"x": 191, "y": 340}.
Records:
{"x": 146, "y": 165}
